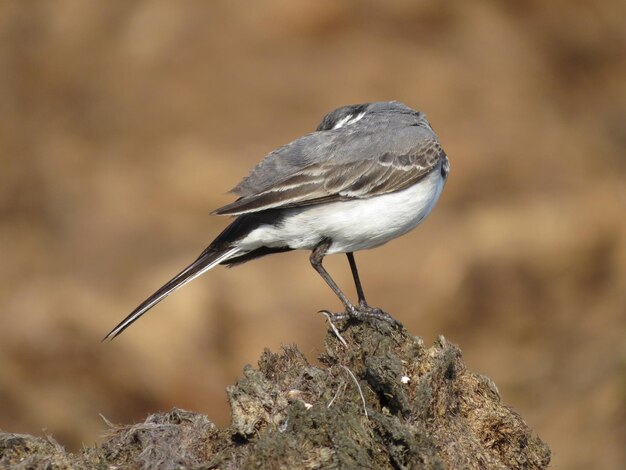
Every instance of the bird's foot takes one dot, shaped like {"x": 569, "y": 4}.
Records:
{"x": 363, "y": 313}
{"x": 335, "y": 317}
{"x": 378, "y": 314}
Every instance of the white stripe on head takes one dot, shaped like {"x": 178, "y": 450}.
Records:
{"x": 342, "y": 121}
{"x": 358, "y": 118}
{"x": 349, "y": 119}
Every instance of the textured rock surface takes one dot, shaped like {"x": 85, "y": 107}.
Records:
{"x": 383, "y": 401}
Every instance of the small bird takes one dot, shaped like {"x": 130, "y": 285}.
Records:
{"x": 368, "y": 174}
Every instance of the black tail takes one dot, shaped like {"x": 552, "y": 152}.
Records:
{"x": 207, "y": 260}
{"x": 221, "y": 251}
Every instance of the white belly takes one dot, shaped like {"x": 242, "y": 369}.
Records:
{"x": 351, "y": 225}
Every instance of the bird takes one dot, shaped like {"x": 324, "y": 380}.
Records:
{"x": 369, "y": 173}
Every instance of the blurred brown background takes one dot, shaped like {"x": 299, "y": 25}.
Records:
{"x": 122, "y": 124}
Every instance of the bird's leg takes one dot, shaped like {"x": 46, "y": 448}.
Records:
{"x": 362, "y": 313}
{"x": 317, "y": 255}
{"x": 357, "y": 281}
{"x": 363, "y": 306}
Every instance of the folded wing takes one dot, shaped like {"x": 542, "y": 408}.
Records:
{"x": 331, "y": 181}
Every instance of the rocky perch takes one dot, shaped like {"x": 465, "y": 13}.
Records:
{"x": 380, "y": 399}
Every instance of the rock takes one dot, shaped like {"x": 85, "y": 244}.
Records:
{"x": 384, "y": 401}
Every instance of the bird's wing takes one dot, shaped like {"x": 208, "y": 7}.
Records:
{"x": 332, "y": 180}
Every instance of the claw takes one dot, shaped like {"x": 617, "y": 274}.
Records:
{"x": 378, "y": 314}
{"x": 363, "y": 313}
{"x": 335, "y": 316}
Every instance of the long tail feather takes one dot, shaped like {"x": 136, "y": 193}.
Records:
{"x": 206, "y": 261}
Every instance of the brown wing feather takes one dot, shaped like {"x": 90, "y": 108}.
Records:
{"x": 329, "y": 181}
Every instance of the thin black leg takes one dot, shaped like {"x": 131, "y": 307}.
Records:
{"x": 317, "y": 255}
{"x": 364, "y": 312}
{"x": 357, "y": 281}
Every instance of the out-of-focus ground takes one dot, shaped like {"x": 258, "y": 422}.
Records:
{"x": 122, "y": 124}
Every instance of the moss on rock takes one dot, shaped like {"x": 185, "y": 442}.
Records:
{"x": 384, "y": 401}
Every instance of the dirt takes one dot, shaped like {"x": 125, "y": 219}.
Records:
{"x": 381, "y": 400}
